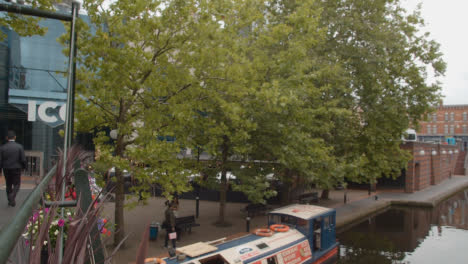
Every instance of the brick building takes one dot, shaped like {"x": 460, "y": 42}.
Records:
{"x": 446, "y": 121}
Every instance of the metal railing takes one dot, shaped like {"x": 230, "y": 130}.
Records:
{"x": 10, "y": 234}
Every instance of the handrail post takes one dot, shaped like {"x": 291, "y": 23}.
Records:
{"x": 83, "y": 191}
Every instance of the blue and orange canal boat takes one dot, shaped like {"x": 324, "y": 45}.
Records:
{"x": 296, "y": 234}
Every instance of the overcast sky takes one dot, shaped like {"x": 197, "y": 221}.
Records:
{"x": 447, "y": 21}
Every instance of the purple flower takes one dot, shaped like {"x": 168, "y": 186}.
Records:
{"x": 46, "y": 210}
{"x": 35, "y": 216}
{"x": 61, "y": 222}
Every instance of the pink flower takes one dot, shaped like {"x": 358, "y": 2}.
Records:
{"x": 46, "y": 210}
{"x": 61, "y": 222}
{"x": 26, "y": 242}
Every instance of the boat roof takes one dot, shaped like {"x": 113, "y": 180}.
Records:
{"x": 303, "y": 211}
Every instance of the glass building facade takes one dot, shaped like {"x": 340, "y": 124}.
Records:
{"x": 33, "y": 90}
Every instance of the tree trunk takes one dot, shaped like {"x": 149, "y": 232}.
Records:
{"x": 119, "y": 233}
{"x": 223, "y": 185}
{"x": 325, "y": 194}
{"x": 119, "y": 208}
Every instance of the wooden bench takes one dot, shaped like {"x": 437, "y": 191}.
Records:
{"x": 185, "y": 223}
{"x": 307, "y": 198}
{"x": 256, "y": 209}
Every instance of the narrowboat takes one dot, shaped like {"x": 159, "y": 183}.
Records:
{"x": 295, "y": 234}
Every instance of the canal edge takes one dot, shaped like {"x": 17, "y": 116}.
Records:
{"x": 355, "y": 212}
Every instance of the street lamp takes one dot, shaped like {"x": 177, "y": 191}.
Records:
{"x": 113, "y": 134}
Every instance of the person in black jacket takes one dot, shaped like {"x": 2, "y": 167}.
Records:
{"x": 12, "y": 161}
{"x": 169, "y": 223}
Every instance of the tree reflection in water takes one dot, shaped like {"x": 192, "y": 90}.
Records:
{"x": 395, "y": 235}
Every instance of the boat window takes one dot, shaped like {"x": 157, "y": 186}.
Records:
{"x": 274, "y": 219}
{"x": 216, "y": 259}
{"x": 303, "y": 226}
{"x": 262, "y": 245}
{"x": 289, "y": 220}
{"x": 326, "y": 222}
{"x": 272, "y": 260}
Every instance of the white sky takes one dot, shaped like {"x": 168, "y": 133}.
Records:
{"x": 447, "y": 21}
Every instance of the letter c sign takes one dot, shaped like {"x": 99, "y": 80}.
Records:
{"x": 43, "y": 112}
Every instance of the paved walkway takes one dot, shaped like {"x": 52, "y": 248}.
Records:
{"x": 359, "y": 206}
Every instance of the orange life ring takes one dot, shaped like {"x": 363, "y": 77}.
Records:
{"x": 154, "y": 261}
{"x": 263, "y": 232}
{"x": 279, "y": 228}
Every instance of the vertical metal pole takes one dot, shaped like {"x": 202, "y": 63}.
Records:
{"x": 197, "y": 206}
{"x": 70, "y": 92}
{"x": 247, "y": 224}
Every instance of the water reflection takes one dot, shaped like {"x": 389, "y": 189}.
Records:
{"x": 410, "y": 235}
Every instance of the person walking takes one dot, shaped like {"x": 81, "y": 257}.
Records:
{"x": 169, "y": 223}
{"x": 12, "y": 161}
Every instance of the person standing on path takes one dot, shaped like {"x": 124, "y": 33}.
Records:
{"x": 12, "y": 161}
{"x": 169, "y": 223}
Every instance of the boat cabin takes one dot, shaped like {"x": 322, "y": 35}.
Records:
{"x": 316, "y": 223}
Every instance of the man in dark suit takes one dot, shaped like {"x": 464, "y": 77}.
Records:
{"x": 12, "y": 160}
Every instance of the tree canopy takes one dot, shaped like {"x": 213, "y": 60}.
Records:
{"x": 310, "y": 91}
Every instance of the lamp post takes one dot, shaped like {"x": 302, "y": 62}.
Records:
{"x": 69, "y": 110}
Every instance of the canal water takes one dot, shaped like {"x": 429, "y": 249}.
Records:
{"x": 411, "y": 235}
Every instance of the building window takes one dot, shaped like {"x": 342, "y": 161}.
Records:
{"x": 434, "y": 117}
{"x": 465, "y": 117}
{"x": 428, "y": 129}
{"x": 465, "y": 130}
{"x": 452, "y": 116}
{"x": 434, "y": 129}
{"x": 446, "y": 117}
{"x": 452, "y": 129}
{"x": 445, "y": 129}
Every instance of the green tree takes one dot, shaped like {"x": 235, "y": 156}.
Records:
{"x": 384, "y": 61}
{"x": 136, "y": 76}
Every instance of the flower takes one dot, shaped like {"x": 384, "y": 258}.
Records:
{"x": 56, "y": 232}
{"x": 61, "y": 222}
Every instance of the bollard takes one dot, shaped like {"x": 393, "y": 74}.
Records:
{"x": 345, "y": 198}
{"x": 197, "y": 206}
{"x": 247, "y": 224}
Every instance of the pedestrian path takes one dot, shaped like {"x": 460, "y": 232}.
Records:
{"x": 27, "y": 182}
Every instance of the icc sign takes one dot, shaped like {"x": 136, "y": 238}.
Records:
{"x": 47, "y": 112}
